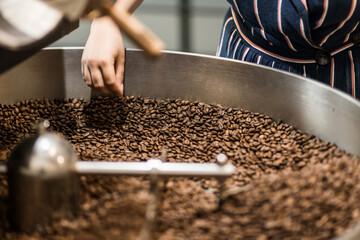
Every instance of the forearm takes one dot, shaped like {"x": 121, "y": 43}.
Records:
{"x": 104, "y": 53}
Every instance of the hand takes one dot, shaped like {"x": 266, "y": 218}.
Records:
{"x": 102, "y": 63}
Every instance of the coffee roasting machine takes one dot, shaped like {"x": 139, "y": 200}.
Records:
{"x": 43, "y": 169}
{"x": 311, "y": 106}
{"x": 54, "y": 73}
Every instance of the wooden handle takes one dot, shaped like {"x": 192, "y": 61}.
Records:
{"x": 136, "y": 31}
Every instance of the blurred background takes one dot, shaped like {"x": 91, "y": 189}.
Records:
{"x": 184, "y": 25}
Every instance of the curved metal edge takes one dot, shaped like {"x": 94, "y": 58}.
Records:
{"x": 291, "y": 75}
{"x": 304, "y": 103}
{"x": 308, "y": 105}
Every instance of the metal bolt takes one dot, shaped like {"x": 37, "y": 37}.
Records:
{"x": 221, "y": 159}
{"x": 155, "y": 197}
{"x": 42, "y": 126}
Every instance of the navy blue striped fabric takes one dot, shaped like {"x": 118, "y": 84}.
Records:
{"x": 287, "y": 34}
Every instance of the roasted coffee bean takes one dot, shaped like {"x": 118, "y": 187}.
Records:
{"x": 287, "y": 184}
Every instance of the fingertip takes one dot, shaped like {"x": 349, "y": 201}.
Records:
{"x": 115, "y": 89}
{"x": 120, "y": 84}
{"x": 121, "y": 89}
{"x": 97, "y": 80}
{"x": 87, "y": 77}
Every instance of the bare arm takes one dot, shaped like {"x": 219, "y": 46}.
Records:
{"x": 102, "y": 63}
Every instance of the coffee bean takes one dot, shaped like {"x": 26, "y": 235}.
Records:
{"x": 291, "y": 183}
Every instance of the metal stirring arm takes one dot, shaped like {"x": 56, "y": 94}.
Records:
{"x": 170, "y": 169}
{"x": 3, "y": 169}
{"x": 156, "y": 169}
{"x": 174, "y": 169}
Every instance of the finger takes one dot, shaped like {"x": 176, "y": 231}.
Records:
{"x": 97, "y": 80}
{"x": 83, "y": 69}
{"x": 110, "y": 81}
{"x": 86, "y": 76}
{"x": 83, "y": 62}
{"x": 96, "y": 77}
{"x": 119, "y": 73}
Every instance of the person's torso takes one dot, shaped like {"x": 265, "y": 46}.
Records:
{"x": 298, "y": 25}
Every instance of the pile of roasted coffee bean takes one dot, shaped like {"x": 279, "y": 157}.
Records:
{"x": 287, "y": 184}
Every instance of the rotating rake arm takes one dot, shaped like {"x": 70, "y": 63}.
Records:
{"x": 166, "y": 169}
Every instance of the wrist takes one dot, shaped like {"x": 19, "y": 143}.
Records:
{"x": 103, "y": 23}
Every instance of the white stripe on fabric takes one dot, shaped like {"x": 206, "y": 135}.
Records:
{"x": 280, "y": 26}
{"x": 352, "y": 9}
{"x": 245, "y": 53}
{"x": 258, "y": 19}
{"x": 222, "y": 36}
{"x": 302, "y": 29}
{"x": 342, "y": 48}
{"x": 352, "y": 73}
{"x": 237, "y": 8}
{"x": 237, "y": 45}
{"x": 348, "y": 35}
{"x": 258, "y": 59}
{"x": 304, "y": 69}
{"x": 230, "y": 39}
{"x": 321, "y": 21}
{"x": 305, "y": 4}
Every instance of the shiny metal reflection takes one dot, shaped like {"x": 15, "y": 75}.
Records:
{"x": 43, "y": 184}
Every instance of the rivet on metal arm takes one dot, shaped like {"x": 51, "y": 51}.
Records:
{"x": 221, "y": 160}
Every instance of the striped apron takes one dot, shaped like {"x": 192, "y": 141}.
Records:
{"x": 319, "y": 39}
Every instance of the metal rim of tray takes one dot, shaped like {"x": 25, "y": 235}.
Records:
{"x": 306, "y": 104}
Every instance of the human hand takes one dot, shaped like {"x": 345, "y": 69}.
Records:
{"x": 102, "y": 63}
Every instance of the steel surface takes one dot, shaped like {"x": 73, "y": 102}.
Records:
{"x": 170, "y": 169}
{"x": 306, "y": 104}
